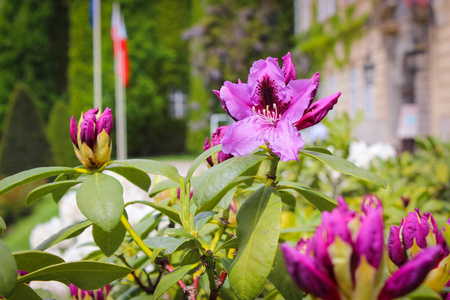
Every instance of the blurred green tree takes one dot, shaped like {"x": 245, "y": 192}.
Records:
{"x": 24, "y": 144}
{"x": 33, "y": 49}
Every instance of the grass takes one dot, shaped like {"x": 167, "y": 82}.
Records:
{"x": 17, "y": 236}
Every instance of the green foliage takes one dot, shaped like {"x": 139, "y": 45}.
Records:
{"x": 59, "y": 135}
{"x": 226, "y": 37}
{"x": 34, "y": 50}
{"x": 24, "y": 144}
{"x": 323, "y": 38}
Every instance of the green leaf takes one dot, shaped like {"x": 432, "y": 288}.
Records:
{"x": 191, "y": 257}
{"x": 231, "y": 243}
{"x": 317, "y": 149}
{"x": 147, "y": 224}
{"x": 109, "y": 242}
{"x": 170, "y": 279}
{"x": 183, "y": 233}
{"x": 133, "y": 175}
{"x": 162, "y": 186}
{"x": 27, "y": 176}
{"x": 58, "y": 194}
{"x": 228, "y": 197}
{"x": 320, "y": 201}
{"x": 218, "y": 180}
{"x": 170, "y": 244}
{"x": 281, "y": 279}
{"x": 100, "y": 199}
{"x": 65, "y": 233}
{"x": 153, "y": 167}
{"x": 164, "y": 209}
{"x": 8, "y": 271}
{"x": 226, "y": 262}
{"x": 202, "y": 157}
{"x": 86, "y": 275}
{"x": 2, "y": 226}
{"x": 43, "y": 190}
{"x": 23, "y": 291}
{"x": 346, "y": 167}
{"x": 258, "y": 229}
{"x": 32, "y": 260}
{"x": 202, "y": 218}
{"x": 288, "y": 198}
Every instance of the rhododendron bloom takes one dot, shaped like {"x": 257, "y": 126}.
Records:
{"x": 216, "y": 139}
{"x": 91, "y": 137}
{"x": 271, "y": 108}
{"x": 344, "y": 258}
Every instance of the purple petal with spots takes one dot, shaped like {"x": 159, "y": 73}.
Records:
{"x": 261, "y": 69}
{"x": 105, "y": 122}
{"x": 317, "y": 111}
{"x": 308, "y": 274}
{"x": 395, "y": 247}
{"x": 73, "y": 131}
{"x": 408, "y": 277}
{"x": 288, "y": 68}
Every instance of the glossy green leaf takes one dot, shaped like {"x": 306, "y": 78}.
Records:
{"x": 43, "y": 190}
{"x": 136, "y": 176}
{"x": 191, "y": 257}
{"x": 109, "y": 242}
{"x": 171, "y": 278}
{"x": 86, "y": 275}
{"x": 226, "y": 262}
{"x": 27, "y": 176}
{"x": 231, "y": 243}
{"x": 288, "y": 198}
{"x": 183, "y": 233}
{"x": 2, "y": 226}
{"x": 202, "y": 218}
{"x": 32, "y": 260}
{"x": 344, "y": 166}
{"x": 100, "y": 199}
{"x": 65, "y": 233}
{"x": 281, "y": 279}
{"x": 59, "y": 193}
{"x": 226, "y": 200}
{"x": 168, "y": 243}
{"x": 147, "y": 224}
{"x": 320, "y": 201}
{"x": 8, "y": 271}
{"x": 218, "y": 180}
{"x": 164, "y": 209}
{"x": 258, "y": 229}
{"x": 201, "y": 158}
{"x": 317, "y": 149}
{"x": 153, "y": 167}
{"x": 162, "y": 186}
{"x": 24, "y": 291}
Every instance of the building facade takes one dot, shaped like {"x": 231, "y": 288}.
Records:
{"x": 396, "y": 71}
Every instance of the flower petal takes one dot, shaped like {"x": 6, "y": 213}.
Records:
{"x": 73, "y": 131}
{"x": 288, "y": 68}
{"x": 261, "y": 69}
{"x": 243, "y": 137}
{"x": 395, "y": 247}
{"x": 300, "y": 93}
{"x": 105, "y": 122}
{"x": 308, "y": 275}
{"x": 317, "y": 111}
{"x": 87, "y": 129}
{"x": 370, "y": 240}
{"x": 411, "y": 274}
{"x": 236, "y": 100}
{"x": 284, "y": 140}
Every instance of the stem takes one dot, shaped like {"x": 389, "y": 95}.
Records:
{"x": 216, "y": 239}
{"x": 272, "y": 174}
{"x": 136, "y": 237}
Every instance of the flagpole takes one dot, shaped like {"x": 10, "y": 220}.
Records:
{"x": 120, "y": 97}
{"x": 97, "y": 45}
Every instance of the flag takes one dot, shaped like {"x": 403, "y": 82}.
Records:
{"x": 120, "y": 46}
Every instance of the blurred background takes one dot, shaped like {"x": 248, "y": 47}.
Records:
{"x": 389, "y": 58}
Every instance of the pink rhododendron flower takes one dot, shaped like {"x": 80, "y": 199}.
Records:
{"x": 271, "y": 108}
{"x": 216, "y": 139}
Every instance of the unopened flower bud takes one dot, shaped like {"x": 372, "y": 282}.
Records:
{"x": 91, "y": 137}
{"x": 216, "y": 139}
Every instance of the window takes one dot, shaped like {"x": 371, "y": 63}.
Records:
{"x": 302, "y": 15}
{"x": 368, "y": 90}
{"x": 354, "y": 107}
{"x": 178, "y": 104}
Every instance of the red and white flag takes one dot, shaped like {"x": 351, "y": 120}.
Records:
{"x": 120, "y": 46}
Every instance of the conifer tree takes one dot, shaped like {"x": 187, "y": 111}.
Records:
{"x": 24, "y": 143}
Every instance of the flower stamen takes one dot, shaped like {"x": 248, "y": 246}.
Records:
{"x": 267, "y": 116}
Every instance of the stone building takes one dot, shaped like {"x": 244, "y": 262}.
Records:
{"x": 396, "y": 71}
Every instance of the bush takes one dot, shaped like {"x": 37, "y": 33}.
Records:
{"x": 24, "y": 144}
